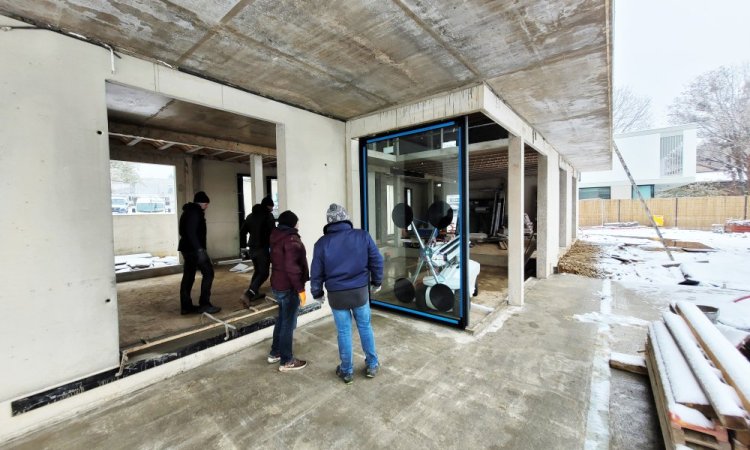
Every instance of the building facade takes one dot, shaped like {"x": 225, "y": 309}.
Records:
{"x": 658, "y": 159}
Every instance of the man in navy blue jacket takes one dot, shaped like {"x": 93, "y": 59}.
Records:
{"x": 348, "y": 262}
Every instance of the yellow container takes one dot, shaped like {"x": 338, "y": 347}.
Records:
{"x": 659, "y": 220}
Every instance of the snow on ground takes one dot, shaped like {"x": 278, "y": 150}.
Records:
{"x": 635, "y": 254}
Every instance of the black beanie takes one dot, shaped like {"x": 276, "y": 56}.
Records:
{"x": 267, "y": 201}
{"x": 288, "y": 218}
{"x": 201, "y": 197}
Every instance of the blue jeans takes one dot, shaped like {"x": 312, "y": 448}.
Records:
{"x": 343, "y": 319}
{"x": 283, "y": 331}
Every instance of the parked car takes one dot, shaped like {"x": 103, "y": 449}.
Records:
{"x": 149, "y": 205}
{"x": 119, "y": 205}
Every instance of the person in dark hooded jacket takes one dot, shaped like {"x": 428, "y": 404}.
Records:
{"x": 347, "y": 261}
{"x": 195, "y": 257}
{"x": 258, "y": 224}
{"x": 289, "y": 261}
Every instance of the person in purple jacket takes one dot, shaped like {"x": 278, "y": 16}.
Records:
{"x": 348, "y": 262}
{"x": 288, "y": 277}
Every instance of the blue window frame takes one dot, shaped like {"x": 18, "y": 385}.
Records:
{"x": 409, "y": 185}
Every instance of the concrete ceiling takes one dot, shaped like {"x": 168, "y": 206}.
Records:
{"x": 550, "y": 60}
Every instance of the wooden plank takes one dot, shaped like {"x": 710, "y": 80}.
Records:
{"x": 628, "y": 363}
{"x": 671, "y": 436}
{"x": 687, "y": 391}
{"x": 725, "y": 356}
{"x": 727, "y": 411}
{"x": 679, "y": 430}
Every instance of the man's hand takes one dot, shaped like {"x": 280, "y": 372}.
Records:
{"x": 319, "y": 296}
{"x": 375, "y": 288}
{"x": 244, "y": 253}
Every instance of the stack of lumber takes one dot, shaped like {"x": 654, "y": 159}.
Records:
{"x": 700, "y": 381}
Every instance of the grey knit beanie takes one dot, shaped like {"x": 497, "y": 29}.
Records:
{"x": 336, "y": 213}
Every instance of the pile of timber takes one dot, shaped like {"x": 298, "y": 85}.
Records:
{"x": 700, "y": 381}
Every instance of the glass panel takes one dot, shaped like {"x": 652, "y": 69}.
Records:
{"x": 412, "y": 212}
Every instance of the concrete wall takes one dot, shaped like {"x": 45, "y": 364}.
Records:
{"x": 60, "y": 322}
{"x": 145, "y": 233}
{"x": 53, "y": 137}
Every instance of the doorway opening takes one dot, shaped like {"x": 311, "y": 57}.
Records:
{"x": 200, "y": 149}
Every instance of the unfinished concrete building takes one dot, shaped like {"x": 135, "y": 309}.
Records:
{"x": 453, "y": 135}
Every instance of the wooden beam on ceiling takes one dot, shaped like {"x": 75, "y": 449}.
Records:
{"x": 174, "y": 137}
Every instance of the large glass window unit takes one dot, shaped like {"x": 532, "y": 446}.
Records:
{"x": 412, "y": 202}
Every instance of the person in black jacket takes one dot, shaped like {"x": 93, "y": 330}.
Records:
{"x": 193, "y": 247}
{"x": 258, "y": 224}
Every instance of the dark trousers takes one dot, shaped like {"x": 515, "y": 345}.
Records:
{"x": 261, "y": 268}
{"x": 188, "y": 278}
{"x": 286, "y": 322}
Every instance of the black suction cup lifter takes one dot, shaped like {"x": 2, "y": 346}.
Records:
{"x": 441, "y": 298}
{"x": 402, "y": 215}
{"x": 440, "y": 214}
{"x": 404, "y": 290}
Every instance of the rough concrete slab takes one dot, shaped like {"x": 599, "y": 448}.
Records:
{"x": 550, "y": 61}
{"x": 525, "y": 383}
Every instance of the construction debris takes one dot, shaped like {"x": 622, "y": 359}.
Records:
{"x": 581, "y": 259}
{"x": 628, "y": 363}
{"x": 737, "y": 226}
{"x": 127, "y": 263}
{"x": 701, "y": 383}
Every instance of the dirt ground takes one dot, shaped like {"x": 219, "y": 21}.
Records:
{"x": 150, "y": 308}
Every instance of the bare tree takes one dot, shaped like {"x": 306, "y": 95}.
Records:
{"x": 124, "y": 172}
{"x": 719, "y": 102}
{"x": 630, "y": 111}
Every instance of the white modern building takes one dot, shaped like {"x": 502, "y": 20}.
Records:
{"x": 658, "y": 159}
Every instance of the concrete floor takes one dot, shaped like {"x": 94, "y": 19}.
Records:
{"x": 524, "y": 383}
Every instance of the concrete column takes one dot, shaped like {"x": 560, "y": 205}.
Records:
{"x": 574, "y": 230}
{"x": 548, "y": 212}
{"x": 515, "y": 220}
{"x": 565, "y": 208}
{"x": 188, "y": 190}
{"x": 353, "y": 203}
{"x": 281, "y": 163}
{"x": 259, "y": 181}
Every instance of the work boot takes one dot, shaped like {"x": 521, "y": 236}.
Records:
{"x": 211, "y": 309}
{"x": 347, "y": 378}
{"x": 247, "y": 297}
{"x": 371, "y": 372}
{"x": 191, "y": 310}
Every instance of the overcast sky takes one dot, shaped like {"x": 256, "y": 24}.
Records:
{"x": 661, "y": 45}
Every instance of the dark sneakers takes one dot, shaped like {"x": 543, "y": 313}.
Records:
{"x": 295, "y": 364}
{"x": 272, "y": 359}
{"x": 347, "y": 378}
{"x": 192, "y": 310}
{"x": 211, "y": 309}
{"x": 370, "y": 372}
